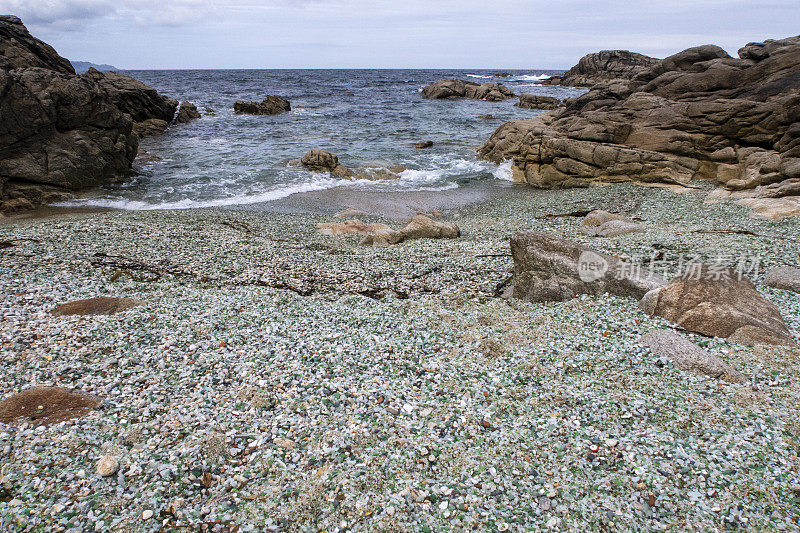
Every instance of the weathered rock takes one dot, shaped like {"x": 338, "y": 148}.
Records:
{"x": 599, "y": 217}
{"x": 60, "y": 130}
{"x": 423, "y": 144}
{"x": 349, "y": 227}
{"x": 322, "y": 161}
{"x": 485, "y": 117}
{"x": 613, "y": 228}
{"x": 688, "y": 356}
{"x": 46, "y": 405}
{"x": 187, "y": 112}
{"x": 101, "y": 305}
{"x": 699, "y": 114}
{"x": 19, "y": 49}
{"x": 602, "y": 66}
{"x": 271, "y": 105}
{"x": 494, "y": 92}
{"x": 419, "y": 227}
{"x": 150, "y": 127}
{"x": 718, "y": 302}
{"x": 549, "y": 268}
{"x": 133, "y": 97}
{"x": 535, "y": 101}
{"x": 784, "y": 277}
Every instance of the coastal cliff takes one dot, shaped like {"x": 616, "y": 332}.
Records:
{"x": 699, "y": 114}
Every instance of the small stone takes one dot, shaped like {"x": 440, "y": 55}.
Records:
{"x": 147, "y": 514}
{"x": 107, "y": 466}
{"x": 285, "y": 443}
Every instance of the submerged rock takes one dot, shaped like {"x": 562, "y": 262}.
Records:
{"x": 688, "y": 356}
{"x": 535, "y": 101}
{"x": 423, "y": 144}
{"x": 549, "y": 268}
{"x": 718, "y": 302}
{"x": 699, "y": 114}
{"x": 271, "y": 105}
{"x": 493, "y": 92}
{"x": 322, "y": 161}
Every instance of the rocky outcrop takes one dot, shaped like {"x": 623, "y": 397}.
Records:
{"x": 58, "y": 134}
{"x": 61, "y": 132}
{"x": 493, "y": 92}
{"x": 322, "y": 161}
{"x": 187, "y": 112}
{"x": 133, "y": 97}
{"x": 604, "y": 66}
{"x": 688, "y": 356}
{"x": 549, "y": 268}
{"x": 699, "y": 114}
{"x": 784, "y": 277}
{"x": 718, "y": 302}
{"x": 271, "y": 105}
{"x": 19, "y": 49}
{"x": 536, "y": 101}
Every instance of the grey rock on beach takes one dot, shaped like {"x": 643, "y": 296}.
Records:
{"x": 550, "y": 268}
{"x": 784, "y": 277}
{"x": 688, "y": 356}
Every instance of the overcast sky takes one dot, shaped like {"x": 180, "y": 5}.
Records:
{"x": 391, "y": 33}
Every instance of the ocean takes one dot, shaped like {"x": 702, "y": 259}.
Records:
{"x": 369, "y": 118}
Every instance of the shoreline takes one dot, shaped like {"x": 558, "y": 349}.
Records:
{"x": 272, "y": 368}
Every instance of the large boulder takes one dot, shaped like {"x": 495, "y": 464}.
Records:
{"x": 322, "y": 161}
{"x": 19, "y": 49}
{"x": 537, "y": 101}
{"x": 718, "y": 302}
{"x": 59, "y": 130}
{"x": 602, "y": 66}
{"x": 699, "y": 114}
{"x": 549, "y": 268}
{"x": 271, "y": 105}
{"x": 688, "y": 356}
{"x": 493, "y": 92}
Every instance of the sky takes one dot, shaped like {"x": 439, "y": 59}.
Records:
{"x": 525, "y": 34}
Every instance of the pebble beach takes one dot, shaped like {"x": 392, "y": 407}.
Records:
{"x": 276, "y": 379}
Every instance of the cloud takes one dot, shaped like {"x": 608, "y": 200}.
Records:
{"x": 71, "y": 14}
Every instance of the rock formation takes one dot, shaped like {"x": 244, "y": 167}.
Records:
{"x": 698, "y": 114}
{"x": 61, "y": 132}
{"x": 419, "y": 227}
{"x": 784, "y": 277}
{"x": 187, "y": 112}
{"x": 688, "y": 356}
{"x": 493, "y": 92}
{"x": 322, "y": 161}
{"x": 536, "y": 101}
{"x": 133, "y": 97}
{"x": 605, "y": 65}
{"x": 718, "y": 302}
{"x": 600, "y": 223}
{"x": 19, "y": 49}
{"x": 549, "y": 268}
{"x": 271, "y": 105}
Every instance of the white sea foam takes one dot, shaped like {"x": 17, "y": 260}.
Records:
{"x": 484, "y": 76}
{"x": 503, "y": 171}
{"x": 533, "y": 77}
